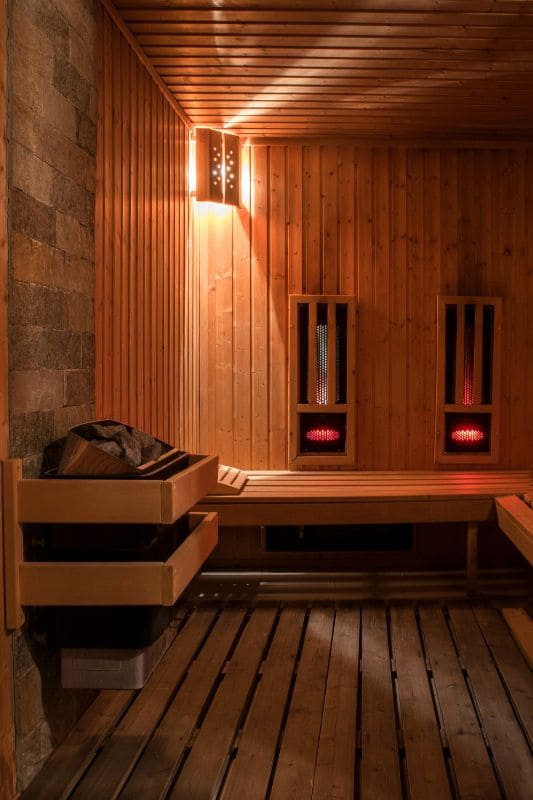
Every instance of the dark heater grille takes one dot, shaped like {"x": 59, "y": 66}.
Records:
{"x": 322, "y": 433}
{"x": 467, "y": 433}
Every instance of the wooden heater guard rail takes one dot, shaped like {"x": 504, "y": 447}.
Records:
{"x": 103, "y": 501}
{"x": 329, "y": 498}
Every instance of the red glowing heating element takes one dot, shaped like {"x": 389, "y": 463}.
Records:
{"x": 467, "y": 435}
{"x": 322, "y": 434}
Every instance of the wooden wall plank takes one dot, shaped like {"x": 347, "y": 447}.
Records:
{"x": 381, "y": 303}
{"x": 347, "y": 229}
{"x": 142, "y": 235}
{"x": 312, "y": 219}
{"x": 397, "y": 306}
{"x": 330, "y": 221}
{"x": 259, "y": 284}
{"x": 413, "y": 360}
{"x": 278, "y": 310}
{"x": 294, "y": 218}
{"x": 364, "y": 437}
{"x": 242, "y": 222}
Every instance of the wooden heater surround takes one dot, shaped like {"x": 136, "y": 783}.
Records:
{"x": 468, "y": 382}
{"x": 322, "y": 379}
{"x": 119, "y": 501}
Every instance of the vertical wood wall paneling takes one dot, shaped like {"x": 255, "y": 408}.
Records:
{"x": 7, "y": 733}
{"x": 223, "y": 282}
{"x": 312, "y": 220}
{"x": 431, "y": 288}
{"x": 347, "y": 244}
{"x": 242, "y": 349}
{"x": 142, "y": 245}
{"x": 278, "y": 311}
{"x": 381, "y": 303}
{"x": 397, "y": 306}
{"x": 364, "y": 428}
{"x": 329, "y": 261}
{"x": 408, "y": 224}
{"x": 260, "y": 316}
{"x": 415, "y": 365}
{"x": 294, "y": 219}
{"x": 447, "y": 230}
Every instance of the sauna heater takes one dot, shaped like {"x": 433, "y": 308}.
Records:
{"x": 107, "y": 449}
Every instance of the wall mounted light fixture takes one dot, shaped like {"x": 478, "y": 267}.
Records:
{"x": 217, "y": 166}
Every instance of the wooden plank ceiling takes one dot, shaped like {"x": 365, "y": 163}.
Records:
{"x": 391, "y": 68}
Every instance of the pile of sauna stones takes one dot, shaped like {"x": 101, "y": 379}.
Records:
{"x": 129, "y": 444}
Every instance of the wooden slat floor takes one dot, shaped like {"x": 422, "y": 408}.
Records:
{"x": 321, "y": 701}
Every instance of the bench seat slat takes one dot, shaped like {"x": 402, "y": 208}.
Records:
{"x": 282, "y": 497}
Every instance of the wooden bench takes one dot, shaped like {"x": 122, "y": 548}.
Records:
{"x": 304, "y": 498}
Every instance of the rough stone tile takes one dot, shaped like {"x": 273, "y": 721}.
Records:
{"x": 30, "y": 433}
{"x": 48, "y": 18}
{"x": 59, "y": 113}
{"x": 32, "y": 348}
{"x": 88, "y": 355}
{"x": 79, "y": 387}
{"x": 24, "y": 32}
{"x": 70, "y": 416}
{"x": 93, "y": 105}
{"x": 87, "y": 242}
{"x": 80, "y": 312}
{"x": 80, "y": 16}
{"x": 81, "y": 167}
{"x": 31, "y": 304}
{"x": 32, "y": 261}
{"x": 28, "y": 86}
{"x": 73, "y": 274}
{"x": 36, "y": 390}
{"x": 29, "y": 757}
{"x": 82, "y": 56}
{"x": 69, "y": 234}
{"x": 31, "y": 174}
{"x": 28, "y": 702}
{"x": 22, "y": 655}
{"x": 72, "y": 199}
{"x": 31, "y": 466}
{"x": 32, "y": 218}
{"x": 86, "y": 133}
{"x": 31, "y": 51}
{"x": 68, "y": 81}
{"x": 38, "y": 136}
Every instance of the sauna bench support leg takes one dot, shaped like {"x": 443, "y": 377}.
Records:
{"x": 471, "y": 557}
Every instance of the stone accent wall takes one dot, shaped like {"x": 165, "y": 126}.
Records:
{"x": 53, "y": 148}
{"x": 52, "y": 121}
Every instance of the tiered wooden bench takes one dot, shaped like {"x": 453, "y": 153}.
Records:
{"x": 303, "y": 498}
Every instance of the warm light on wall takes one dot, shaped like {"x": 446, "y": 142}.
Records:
{"x": 217, "y": 166}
